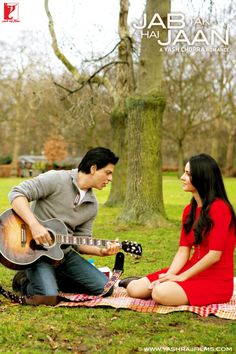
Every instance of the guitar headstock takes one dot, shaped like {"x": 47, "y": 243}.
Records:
{"x": 132, "y": 247}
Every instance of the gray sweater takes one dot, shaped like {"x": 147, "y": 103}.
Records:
{"x": 54, "y": 194}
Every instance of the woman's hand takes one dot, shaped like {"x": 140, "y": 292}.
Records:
{"x": 170, "y": 277}
{"x": 166, "y": 277}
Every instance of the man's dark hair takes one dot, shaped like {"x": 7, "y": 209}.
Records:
{"x": 98, "y": 156}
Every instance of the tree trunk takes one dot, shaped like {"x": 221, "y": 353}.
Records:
{"x": 125, "y": 85}
{"x": 118, "y": 187}
{"x": 16, "y": 149}
{"x": 16, "y": 140}
{"x": 144, "y": 196}
{"x": 230, "y": 152}
{"x": 215, "y": 146}
{"x": 180, "y": 158}
{"x": 144, "y": 200}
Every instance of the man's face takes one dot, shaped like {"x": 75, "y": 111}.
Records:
{"x": 100, "y": 178}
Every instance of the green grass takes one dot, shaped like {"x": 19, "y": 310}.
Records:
{"x": 106, "y": 330}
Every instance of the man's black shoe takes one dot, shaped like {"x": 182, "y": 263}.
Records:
{"x": 124, "y": 282}
{"x": 19, "y": 282}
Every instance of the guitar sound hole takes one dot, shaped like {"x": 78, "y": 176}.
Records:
{"x": 43, "y": 247}
{"x": 35, "y": 247}
{"x": 52, "y": 235}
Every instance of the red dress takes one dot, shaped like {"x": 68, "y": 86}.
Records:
{"x": 215, "y": 284}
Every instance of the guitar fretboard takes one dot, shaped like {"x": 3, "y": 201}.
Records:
{"x": 80, "y": 240}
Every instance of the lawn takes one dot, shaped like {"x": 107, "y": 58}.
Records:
{"x": 105, "y": 330}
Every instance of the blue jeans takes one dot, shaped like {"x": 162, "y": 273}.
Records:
{"x": 73, "y": 275}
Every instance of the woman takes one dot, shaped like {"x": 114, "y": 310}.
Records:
{"x": 209, "y": 227}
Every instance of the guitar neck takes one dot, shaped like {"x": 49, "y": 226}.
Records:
{"x": 81, "y": 240}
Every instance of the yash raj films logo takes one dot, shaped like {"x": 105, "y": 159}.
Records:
{"x": 11, "y": 12}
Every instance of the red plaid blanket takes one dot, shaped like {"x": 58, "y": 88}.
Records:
{"x": 120, "y": 299}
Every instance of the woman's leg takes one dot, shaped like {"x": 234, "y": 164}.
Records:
{"x": 139, "y": 288}
{"x": 169, "y": 293}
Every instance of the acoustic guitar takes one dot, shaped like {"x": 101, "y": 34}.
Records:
{"x": 18, "y": 249}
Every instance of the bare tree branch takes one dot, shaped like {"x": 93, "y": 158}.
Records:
{"x": 62, "y": 87}
{"x": 72, "y": 69}
{"x": 104, "y": 56}
{"x": 91, "y": 78}
{"x": 55, "y": 47}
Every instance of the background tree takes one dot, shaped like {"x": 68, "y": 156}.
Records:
{"x": 144, "y": 198}
{"x": 125, "y": 85}
{"x": 199, "y": 114}
{"x": 55, "y": 149}
{"x": 118, "y": 88}
{"x": 87, "y": 108}
{"x": 185, "y": 114}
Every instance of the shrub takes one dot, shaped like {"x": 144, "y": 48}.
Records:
{"x": 5, "y": 160}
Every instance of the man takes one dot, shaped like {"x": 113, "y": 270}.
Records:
{"x": 68, "y": 196}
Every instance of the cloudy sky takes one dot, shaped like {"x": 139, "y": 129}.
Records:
{"x": 83, "y": 27}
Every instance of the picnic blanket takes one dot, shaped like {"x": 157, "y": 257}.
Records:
{"x": 121, "y": 300}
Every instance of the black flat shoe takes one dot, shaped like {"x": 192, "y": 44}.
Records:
{"x": 19, "y": 282}
{"x": 123, "y": 283}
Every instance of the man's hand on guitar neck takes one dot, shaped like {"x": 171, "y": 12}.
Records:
{"x": 110, "y": 249}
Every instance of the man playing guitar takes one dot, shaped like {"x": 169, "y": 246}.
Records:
{"x": 68, "y": 196}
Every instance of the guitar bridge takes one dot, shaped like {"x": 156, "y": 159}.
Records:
{"x": 23, "y": 235}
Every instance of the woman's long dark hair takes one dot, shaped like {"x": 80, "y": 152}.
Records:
{"x": 207, "y": 179}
